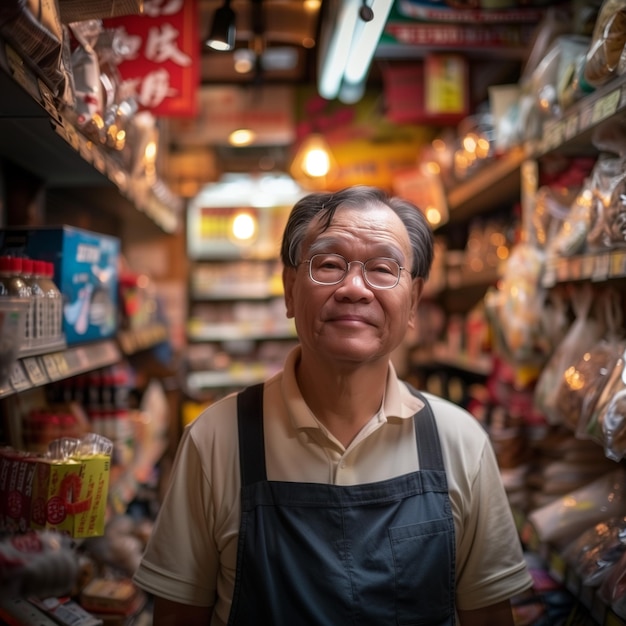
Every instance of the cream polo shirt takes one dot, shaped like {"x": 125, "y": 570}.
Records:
{"x": 191, "y": 555}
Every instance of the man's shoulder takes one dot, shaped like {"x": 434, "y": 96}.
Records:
{"x": 455, "y": 422}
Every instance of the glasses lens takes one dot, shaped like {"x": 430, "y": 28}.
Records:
{"x": 382, "y": 273}
{"x": 328, "y": 269}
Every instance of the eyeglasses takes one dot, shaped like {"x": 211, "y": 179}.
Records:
{"x": 331, "y": 269}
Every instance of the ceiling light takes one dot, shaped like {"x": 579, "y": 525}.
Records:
{"x": 335, "y": 51}
{"x": 314, "y": 161}
{"x": 244, "y": 60}
{"x": 222, "y": 34}
{"x": 241, "y": 137}
{"x": 364, "y": 45}
{"x": 348, "y": 46}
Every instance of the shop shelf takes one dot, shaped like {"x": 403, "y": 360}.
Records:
{"x": 35, "y": 371}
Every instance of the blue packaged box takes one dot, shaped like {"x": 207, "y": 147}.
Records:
{"x": 85, "y": 271}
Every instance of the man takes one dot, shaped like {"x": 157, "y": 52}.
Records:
{"x": 330, "y": 495}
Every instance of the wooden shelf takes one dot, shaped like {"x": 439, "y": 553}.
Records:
{"x": 498, "y": 183}
{"x": 35, "y": 371}
{"x": 38, "y": 137}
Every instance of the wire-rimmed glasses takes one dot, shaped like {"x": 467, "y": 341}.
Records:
{"x": 331, "y": 269}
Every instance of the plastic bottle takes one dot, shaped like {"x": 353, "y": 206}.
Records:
{"x": 55, "y": 300}
{"x": 17, "y": 286}
{"x": 40, "y": 331}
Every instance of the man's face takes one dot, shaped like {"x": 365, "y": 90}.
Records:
{"x": 351, "y": 322}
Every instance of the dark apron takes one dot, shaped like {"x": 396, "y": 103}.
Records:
{"x": 333, "y": 555}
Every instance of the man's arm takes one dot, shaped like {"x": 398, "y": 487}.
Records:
{"x": 499, "y": 614}
{"x": 168, "y": 613}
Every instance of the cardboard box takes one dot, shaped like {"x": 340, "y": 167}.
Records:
{"x": 16, "y": 480}
{"x": 85, "y": 271}
{"x": 70, "y": 496}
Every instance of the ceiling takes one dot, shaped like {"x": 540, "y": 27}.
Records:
{"x": 283, "y": 36}
{"x": 280, "y": 34}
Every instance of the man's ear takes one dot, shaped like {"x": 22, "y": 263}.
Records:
{"x": 289, "y": 277}
{"x": 417, "y": 288}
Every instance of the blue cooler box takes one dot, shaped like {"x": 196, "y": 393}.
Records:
{"x": 85, "y": 271}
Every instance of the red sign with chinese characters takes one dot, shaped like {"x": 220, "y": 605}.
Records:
{"x": 162, "y": 58}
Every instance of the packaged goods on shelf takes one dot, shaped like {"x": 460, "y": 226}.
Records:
{"x": 85, "y": 271}
{"x": 12, "y": 322}
{"x": 65, "y": 490}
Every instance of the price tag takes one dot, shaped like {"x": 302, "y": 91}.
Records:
{"x": 618, "y": 264}
{"x": 47, "y": 99}
{"x": 601, "y": 267}
{"x": 35, "y": 372}
{"x": 72, "y": 136}
{"x": 99, "y": 161}
{"x": 74, "y": 361}
{"x": 553, "y": 135}
{"x": 588, "y": 266}
{"x": 571, "y": 127}
{"x": 62, "y": 364}
{"x": 575, "y": 268}
{"x": 19, "y": 380}
{"x": 50, "y": 363}
{"x": 85, "y": 147}
{"x": 606, "y": 106}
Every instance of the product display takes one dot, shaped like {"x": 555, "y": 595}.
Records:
{"x": 85, "y": 271}
{"x": 521, "y": 319}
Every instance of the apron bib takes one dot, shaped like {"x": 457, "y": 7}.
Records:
{"x": 314, "y": 554}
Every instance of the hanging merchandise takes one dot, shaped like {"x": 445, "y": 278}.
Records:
{"x": 605, "y": 58}
{"x": 582, "y": 381}
{"x": 585, "y": 331}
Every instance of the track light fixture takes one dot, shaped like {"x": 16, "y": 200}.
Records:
{"x": 222, "y": 34}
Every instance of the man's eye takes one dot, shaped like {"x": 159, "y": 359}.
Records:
{"x": 382, "y": 268}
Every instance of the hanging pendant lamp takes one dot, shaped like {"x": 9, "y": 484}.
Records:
{"x": 222, "y": 34}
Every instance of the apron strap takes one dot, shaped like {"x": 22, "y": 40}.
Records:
{"x": 251, "y": 439}
{"x": 426, "y": 435}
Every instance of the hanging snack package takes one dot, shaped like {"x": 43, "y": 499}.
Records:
{"x": 594, "y": 553}
{"x": 610, "y": 412}
{"x": 609, "y": 226}
{"x": 71, "y": 486}
{"x": 583, "y": 381}
{"x": 571, "y": 237}
{"x": 563, "y": 520}
{"x": 607, "y": 43}
{"x": 582, "y": 335}
{"x": 612, "y": 591}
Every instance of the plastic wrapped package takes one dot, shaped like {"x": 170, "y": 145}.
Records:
{"x": 544, "y": 81}
{"x": 610, "y": 412}
{"x": 119, "y": 101}
{"x": 40, "y": 563}
{"x": 90, "y": 97}
{"x": 594, "y": 553}
{"x": 563, "y": 520}
{"x": 34, "y": 29}
{"x": 607, "y": 43}
{"x": 609, "y": 226}
{"x": 515, "y": 307}
{"x": 552, "y": 206}
{"x": 583, "y": 334}
{"x": 612, "y": 591}
{"x": 572, "y": 235}
{"x": 569, "y": 87}
{"x": 583, "y": 381}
